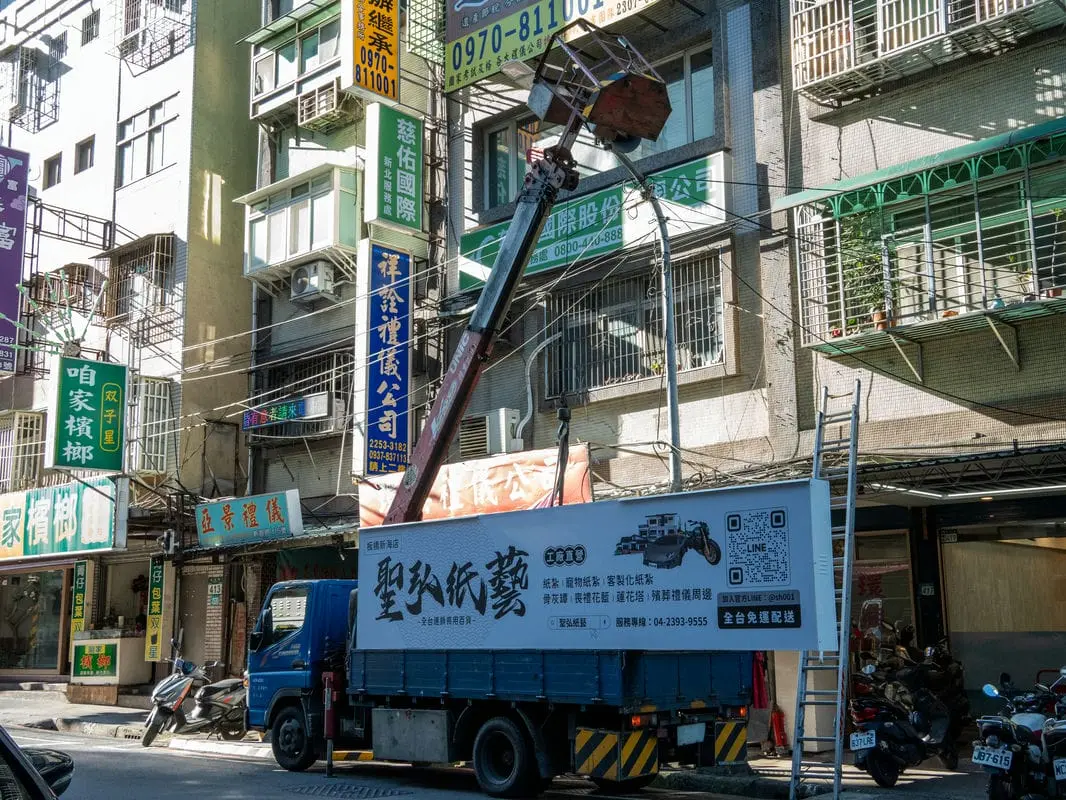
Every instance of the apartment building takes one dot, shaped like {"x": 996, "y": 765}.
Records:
{"x": 137, "y": 145}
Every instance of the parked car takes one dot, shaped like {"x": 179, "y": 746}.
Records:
{"x": 32, "y": 773}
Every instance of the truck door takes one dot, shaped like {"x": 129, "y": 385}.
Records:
{"x": 278, "y": 658}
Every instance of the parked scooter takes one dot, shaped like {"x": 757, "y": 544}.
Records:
{"x": 219, "y": 706}
{"x": 1012, "y": 747}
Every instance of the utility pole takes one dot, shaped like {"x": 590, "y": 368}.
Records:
{"x": 648, "y": 192}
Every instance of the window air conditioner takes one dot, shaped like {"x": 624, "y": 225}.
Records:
{"x": 489, "y": 434}
{"x": 311, "y": 282}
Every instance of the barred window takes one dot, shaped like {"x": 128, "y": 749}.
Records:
{"x": 149, "y": 426}
{"x": 612, "y": 332}
{"x": 299, "y": 377}
{"x": 141, "y": 279}
{"x": 21, "y": 449}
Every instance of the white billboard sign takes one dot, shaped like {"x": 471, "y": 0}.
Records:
{"x": 744, "y": 568}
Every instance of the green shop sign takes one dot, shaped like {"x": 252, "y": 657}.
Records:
{"x": 95, "y": 660}
{"x": 89, "y": 416}
{"x": 693, "y": 195}
{"x": 393, "y": 168}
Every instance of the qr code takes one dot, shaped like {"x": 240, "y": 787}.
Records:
{"x": 757, "y": 548}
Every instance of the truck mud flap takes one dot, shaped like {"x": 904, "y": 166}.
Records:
{"x": 615, "y": 755}
{"x": 730, "y": 742}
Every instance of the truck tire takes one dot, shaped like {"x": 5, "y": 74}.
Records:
{"x": 504, "y": 762}
{"x": 623, "y": 787}
{"x": 289, "y": 739}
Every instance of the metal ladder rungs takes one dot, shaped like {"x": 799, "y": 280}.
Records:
{"x": 821, "y": 703}
{"x": 822, "y": 692}
{"x": 816, "y": 739}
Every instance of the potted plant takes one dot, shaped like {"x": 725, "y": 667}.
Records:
{"x": 864, "y": 277}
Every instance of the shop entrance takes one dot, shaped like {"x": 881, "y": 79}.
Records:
{"x": 193, "y": 605}
{"x": 33, "y": 620}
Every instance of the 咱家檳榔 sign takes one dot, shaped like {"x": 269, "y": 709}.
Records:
{"x": 370, "y": 57}
{"x": 480, "y": 38}
{"x": 95, "y": 661}
{"x": 394, "y": 172}
{"x": 153, "y": 636}
{"x": 300, "y": 409}
{"x": 744, "y": 568}
{"x": 72, "y": 518}
{"x": 388, "y": 361}
{"x": 247, "y": 520}
{"x": 87, "y": 428}
{"x": 693, "y": 195}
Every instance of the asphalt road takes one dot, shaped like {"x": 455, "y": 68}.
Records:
{"x": 113, "y": 769}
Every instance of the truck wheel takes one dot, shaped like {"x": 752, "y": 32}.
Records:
{"x": 623, "y": 787}
{"x": 504, "y": 762}
{"x": 293, "y": 748}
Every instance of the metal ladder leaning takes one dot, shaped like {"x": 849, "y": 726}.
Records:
{"x": 812, "y": 663}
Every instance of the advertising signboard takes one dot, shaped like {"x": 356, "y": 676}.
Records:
{"x": 247, "y": 520}
{"x": 744, "y": 568}
{"x": 394, "y": 171}
{"x": 300, "y": 409}
{"x": 507, "y": 482}
{"x": 77, "y": 600}
{"x": 153, "y": 640}
{"x": 371, "y": 63}
{"x": 89, "y": 420}
{"x": 95, "y": 661}
{"x": 14, "y": 169}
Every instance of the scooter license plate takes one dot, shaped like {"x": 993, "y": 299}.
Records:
{"x": 1060, "y": 769}
{"x": 863, "y": 741}
{"x": 999, "y": 757}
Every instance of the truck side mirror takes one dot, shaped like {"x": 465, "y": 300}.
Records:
{"x": 255, "y": 640}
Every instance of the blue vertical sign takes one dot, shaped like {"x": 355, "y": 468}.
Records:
{"x": 13, "y": 187}
{"x": 388, "y": 375}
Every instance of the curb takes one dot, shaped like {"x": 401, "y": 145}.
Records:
{"x": 743, "y": 786}
{"x": 100, "y": 729}
{"x": 221, "y": 748}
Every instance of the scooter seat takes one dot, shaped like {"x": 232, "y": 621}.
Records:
{"x": 220, "y": 687}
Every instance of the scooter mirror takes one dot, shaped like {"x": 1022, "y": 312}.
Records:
{"x": 1062, "y": 671}
{"x": 990, "y": 690}
{"x": 869, "y": 669}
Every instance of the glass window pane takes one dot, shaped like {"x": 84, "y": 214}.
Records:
{"x": 138, "y": 158}
{"x": 276, "y": 222}
{"x": 257, "y": 243}
{"x": 286, "y": 63}
{"x": 322, "y": 220}
{"x": 309, "y": 52}
{"x": 30, "y": 624}
{"x": 300, "y": 227}
{"x": 702, "y": 72}
{"x": 498, "y": 167}
{"x": 156, "y": 149}
{"x": 264, "y": 74}
{"x": 329, "y": 39}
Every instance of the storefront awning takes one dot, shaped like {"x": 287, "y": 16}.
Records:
{"x": 1035, "y": 144}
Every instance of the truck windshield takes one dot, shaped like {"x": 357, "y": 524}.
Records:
{"x": 287, "y": 610}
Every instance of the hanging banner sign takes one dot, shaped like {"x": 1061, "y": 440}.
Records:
{"x": 247, "y": 520}
{"x": 371, "y": 63}
{"x": 153, "y": 639}
{"x": 388, "y": 364}
{"x": 77, "y": 601}
{"x": 302, "y": 409}
{"x": 88, "y": 423}
{"x": 744, "y": 568}
{"x": 479, "y": 38}
{"x": 14, "y": 168}
{"x": 393, "y": 169}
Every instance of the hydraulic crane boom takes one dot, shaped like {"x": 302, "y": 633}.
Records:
{"x": 621, "y": 97}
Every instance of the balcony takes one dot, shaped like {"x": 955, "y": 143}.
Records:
{"x": 964, "y": 245}
{"x": 296, "y": 69}
{"x": 844, "y": 49}
{"x": 312, "y": 215}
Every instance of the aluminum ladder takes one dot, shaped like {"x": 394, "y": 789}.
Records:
{"x": 841, "y": 472}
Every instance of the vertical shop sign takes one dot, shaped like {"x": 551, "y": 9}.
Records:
{"x": 77, "y": 606}
{"x": 153, "y": 637}
{"x": 214, "y": 592}
{"x": 388, "y": 374}
{"x": 90, "y": 415}
{"x": 376, "y": 48}
{"x": 13, "y": 186}
{"x": 394, "y": 171}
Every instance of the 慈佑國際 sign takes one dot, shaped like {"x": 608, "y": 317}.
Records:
{"x": 247, "y": 520}
{"x": 88, "y": 425}
{"x": 388, "y": 361}
{"x": 744, "y": 568}
{"x": 393, "y": 169}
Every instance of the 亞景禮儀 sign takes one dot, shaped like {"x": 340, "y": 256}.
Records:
{"x": 247, "y": 520}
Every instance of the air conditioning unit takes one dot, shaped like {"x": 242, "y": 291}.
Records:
{"x": 312, "y": 282}
{"x": 489, "y": 434}
{"x": 326, "y": 108}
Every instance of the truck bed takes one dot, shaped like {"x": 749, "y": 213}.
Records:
{"x": 629, "y": 680}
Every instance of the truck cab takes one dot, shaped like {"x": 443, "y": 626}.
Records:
{"x": 302, "y": 631}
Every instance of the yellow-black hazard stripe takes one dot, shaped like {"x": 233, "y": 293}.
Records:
{"x": 616, "y": 756}
{"x": 730, "y": 742}
{"x": 353, "y": 755}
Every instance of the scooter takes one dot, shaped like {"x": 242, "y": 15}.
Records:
{"x": 219, "y": 706}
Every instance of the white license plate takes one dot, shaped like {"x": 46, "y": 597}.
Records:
{"x": 999, "y": 757}
{"x": 1060, "y": 769}
{"x": 863, "y": 741}
{"x": 691, "y": 734}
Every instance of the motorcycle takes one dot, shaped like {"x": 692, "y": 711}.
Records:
{"x": 219, "y": 706}
{"x": 900, "y": 724}
{"x": 1012, "y": 748}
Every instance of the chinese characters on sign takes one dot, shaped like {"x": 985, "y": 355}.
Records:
{"x": 243, "y": 520}
{"x": 376, "y": 48}
{"x": 77, "y": 602}
{"x": 693, "y": 194}
{"x": 312, "y": 407}
{"x": 88, "y": 426}
{"x": 743, "y": 568}
{"x": 72, "y": 518}
{"x": 393, "y": 168}
{"x": 388, "y": 356}
{"x": 153, "y": 638}
{"x": 95, "y": 661}
{"x": 13, "y": 186}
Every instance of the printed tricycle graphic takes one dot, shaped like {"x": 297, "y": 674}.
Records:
{"x": 663, "y": 541}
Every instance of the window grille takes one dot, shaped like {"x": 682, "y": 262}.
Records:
{"x": 21, "y": 449}
{"x": 148, "y": 449}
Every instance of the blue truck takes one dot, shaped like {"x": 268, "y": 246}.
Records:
{"x": 519, "y": 717}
